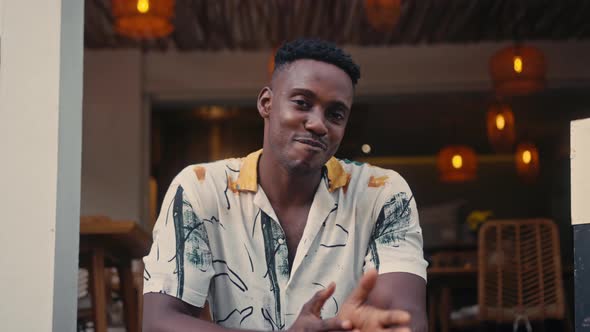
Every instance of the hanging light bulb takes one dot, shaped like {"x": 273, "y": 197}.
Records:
{"x": 143, "y": 6}
{"x": 500, "y": 127}
{"x": 518, "y": 70}
{"x": 500, "y": 122}
{"x": 457, "y": 163}
{"x": 527, "y": 161}
{"x": 143, "y": 19}
{"x": 518, "y": 64}
{"x": 527, "y": 156}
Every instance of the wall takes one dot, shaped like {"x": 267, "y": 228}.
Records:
{"x": 384, "y": 71}
{"x": 113, "y": 152}
{"x": 40, "y": 143}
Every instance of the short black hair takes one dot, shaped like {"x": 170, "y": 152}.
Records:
{"x": 320, "y": 50}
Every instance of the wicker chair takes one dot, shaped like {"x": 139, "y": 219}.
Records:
{"x": 520, "y": 273}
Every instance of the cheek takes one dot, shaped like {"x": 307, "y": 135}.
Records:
{"x": 282, "y": 127}
{"x": 287, "y": 119}
{"x": 337, "y": 134}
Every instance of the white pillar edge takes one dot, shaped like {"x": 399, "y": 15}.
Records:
{"x": 580, "y": 171}
{"x": 67, "y": 228}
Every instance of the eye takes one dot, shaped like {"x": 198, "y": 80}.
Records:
{"x": 336, "y": 115}
{"x": 302, "y": 104}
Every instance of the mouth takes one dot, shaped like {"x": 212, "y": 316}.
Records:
{"x": 313, "y": 143}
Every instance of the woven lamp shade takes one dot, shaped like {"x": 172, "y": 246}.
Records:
{"x": 500, "y": 127}
{"x": 518, "y": 70}
{"x": 457, "y": 163}
{"x": 143, "y": 19}
{"x": 527, "y": 161}
{"x": 383, "y": 15}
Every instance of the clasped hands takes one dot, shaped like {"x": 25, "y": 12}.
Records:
{"x": 354, "y": 314}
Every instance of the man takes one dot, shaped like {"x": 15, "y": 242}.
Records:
{"x": 290, "y": 237}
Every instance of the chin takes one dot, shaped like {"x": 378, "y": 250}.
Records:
{"x": 303, "y": 160}
{"x": 300, "y": 167}
{"x": 305, "y": 165}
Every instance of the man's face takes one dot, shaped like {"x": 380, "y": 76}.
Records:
{"x": 305, "y": 112}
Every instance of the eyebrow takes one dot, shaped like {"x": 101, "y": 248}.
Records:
{"x": 310, "y": 94}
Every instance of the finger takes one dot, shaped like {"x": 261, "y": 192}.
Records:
{"x": 321, "y": 298}
{"x": 315, "y": 304}
{"x": 346, "y": 325}
{"x": 392, "y": 317}
{"x": 363, "y": 289}
{"x": 334, "y": 324}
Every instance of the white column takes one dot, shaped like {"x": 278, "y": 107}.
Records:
{"x": 580, "y": 187}
{"x": 40, "y": 142}
{"x": 580, "y": 168}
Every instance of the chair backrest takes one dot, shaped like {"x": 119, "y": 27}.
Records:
{"x": 520, "y": 272}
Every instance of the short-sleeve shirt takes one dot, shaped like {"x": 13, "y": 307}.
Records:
{"x": 217, "y": 239}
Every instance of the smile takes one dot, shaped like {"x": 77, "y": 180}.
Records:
{"x": 313, "y": 143}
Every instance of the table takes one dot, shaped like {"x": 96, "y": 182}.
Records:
{"x": 105, "y": 242}
{"x": 440, "y": 282}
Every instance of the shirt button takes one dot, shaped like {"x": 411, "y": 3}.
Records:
{"x": 281, "y": 240}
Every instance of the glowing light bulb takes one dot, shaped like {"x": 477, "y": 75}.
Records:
{"x": 457, "y": 161}
{"x": 500, "y": 121}
{"x": 366, "y": 148}
{"x": 143, "y": 6}
{"x": 518, "y": 64}
{"x": 526, "y": 157}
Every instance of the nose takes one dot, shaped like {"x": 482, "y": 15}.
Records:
{"x": 315, "y": 123}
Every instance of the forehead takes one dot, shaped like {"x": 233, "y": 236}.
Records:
{"x": 323, "y": 79}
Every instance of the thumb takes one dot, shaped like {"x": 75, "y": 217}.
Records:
{"x": 360, "y": 294}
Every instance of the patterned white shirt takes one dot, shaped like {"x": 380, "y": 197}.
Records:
{"x": 217, "y": 239}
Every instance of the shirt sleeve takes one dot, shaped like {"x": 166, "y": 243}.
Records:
{"x": 395, "y": 244}
{"x": 180, "y": 260}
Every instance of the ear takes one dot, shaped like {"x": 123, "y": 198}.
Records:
{"x": 264, "y": 102}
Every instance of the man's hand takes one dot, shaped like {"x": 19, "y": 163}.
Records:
{"x": 309, "y": 318}
{"x": 366, "y": 318}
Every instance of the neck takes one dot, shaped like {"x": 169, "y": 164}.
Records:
{"x": 282, "y": 186}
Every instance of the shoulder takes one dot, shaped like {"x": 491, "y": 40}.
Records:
{"x": 196, "y": 174}
{"x": 363, "y": 176}
{"x": 201, "y": 180}
{"x": 372, "y": 187}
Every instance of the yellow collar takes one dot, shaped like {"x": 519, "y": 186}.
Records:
{"x": 248, "y": 178}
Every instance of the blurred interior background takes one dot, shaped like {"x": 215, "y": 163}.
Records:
{"x": 470, "y": 101}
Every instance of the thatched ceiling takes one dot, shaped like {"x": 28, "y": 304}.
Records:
{"x": 256, "y": 24}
